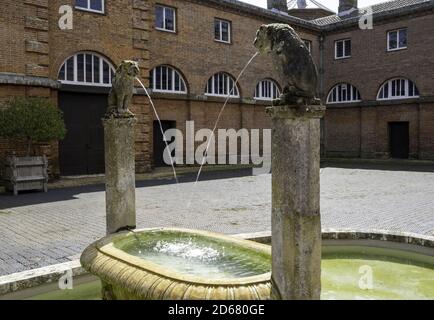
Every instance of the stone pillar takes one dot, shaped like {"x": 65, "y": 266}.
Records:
{"x": 296, "y": 221}
{"x": 120, "y": 173}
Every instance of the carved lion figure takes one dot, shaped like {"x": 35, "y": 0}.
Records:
{"x": 121, "y": 93}
{"x": 292, "y": 61}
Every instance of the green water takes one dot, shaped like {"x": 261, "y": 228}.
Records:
{"x": 197, "y": 255}
{"x": 348, "y": 273}
{"x": 370, "y": 276}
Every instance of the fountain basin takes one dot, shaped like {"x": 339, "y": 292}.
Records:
{"x": 172, "y": 264}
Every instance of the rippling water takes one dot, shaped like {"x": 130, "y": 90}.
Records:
{"x": 198, "y": 256}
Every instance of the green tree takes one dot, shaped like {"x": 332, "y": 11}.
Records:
{"x": 31, "y": 119}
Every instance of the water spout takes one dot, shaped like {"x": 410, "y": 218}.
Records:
{"x": 161, "y": 129}
{"x": 218, "y": 120}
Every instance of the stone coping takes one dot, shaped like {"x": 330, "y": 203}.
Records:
{"x": 46, "y": 275}
{"x": 21, "y": 79}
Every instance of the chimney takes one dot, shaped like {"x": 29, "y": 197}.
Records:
{"x": 347, "y": 6}
{"x": 280, "y": 5}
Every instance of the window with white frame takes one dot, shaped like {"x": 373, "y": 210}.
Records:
{"x": 398, "y": 88}
{"x": 88, "y": 69}
{"x": 308, "y": 44}
{"x": 343, "y": 93}
{"x": 90, "y": 5}
{"x": 267, "y": 90}
{"x": 167, "y": 79}
{"x": 342, "y": 49}
{"x": 397, "y": 39}
{"x": 222, "y": 84}
{"x": 165, "y": 18}
{"x": 222, "y": 30}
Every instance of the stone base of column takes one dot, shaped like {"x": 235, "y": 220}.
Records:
{"x": 296, "y": 221}
{"x": 120, "y": 174}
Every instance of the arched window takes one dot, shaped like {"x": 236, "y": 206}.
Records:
{"x": 398, "y": 88}
{"x": 86, "y": 68}
{"x": 222, "y": 84}
{"x": 267, "y": 90}
{"x": 167, "y": 79}
{"x": 344, "y": 93}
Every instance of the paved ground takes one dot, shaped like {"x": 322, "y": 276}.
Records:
{"x": 42, "y": 229}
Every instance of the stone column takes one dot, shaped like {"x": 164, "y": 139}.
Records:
{"x": 296, "y": 221}
{"x": 120, "y": 173}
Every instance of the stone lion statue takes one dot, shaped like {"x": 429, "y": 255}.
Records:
{"x": 293, "y": 62}
{"x": 121, "y": 93}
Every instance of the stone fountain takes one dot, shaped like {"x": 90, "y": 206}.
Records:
{"x": 151, "y": 264}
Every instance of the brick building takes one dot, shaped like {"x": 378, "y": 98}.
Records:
{"x": 378, "y": 84}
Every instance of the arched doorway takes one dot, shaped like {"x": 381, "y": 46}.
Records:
{"x": 86, "y": 80}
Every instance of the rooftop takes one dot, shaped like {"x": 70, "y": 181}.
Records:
{"x": 388, "y": 8}
{"x": 383, "y": 10}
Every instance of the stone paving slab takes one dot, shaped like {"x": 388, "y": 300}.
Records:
{"x": 39, "y": 229}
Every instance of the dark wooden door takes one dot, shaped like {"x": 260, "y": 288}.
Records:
{"x": 159, "y": 144}
{"x": 399, "y": 139}
{"x": 82, "y": 150}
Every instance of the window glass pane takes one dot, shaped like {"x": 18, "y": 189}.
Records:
{"x": 96, "y": 5}
{"x": 177, "y": 82}
{"x": 62, "y": 73}
{"x": 403, "y": 38}
{"x": 170, "y": 19}
{"x": 80, "y": 67}
{"x": 209, "y": 86}
{"x": 163, "y": 78}
{"x": 393, "y": 40}
{"x": 215, "y": 84}
{"x": 70, "y": 69}
{"x": 339, "y": 49}
{"x": 105, "y": 72}
{"x": 348, "y": 48}
{"x": 225, "y": 31}
{"x": 222, "y": 84}
{"x": 217, "y": 30}
{"x": 169, "y": 79}
{"x": 96, "y": 69}
{"x": 88, "y": 68}
{"x": 81, "y": 4}
{"x": 159, "y": 18}
{"x": 158, "y": 79}
{"x": 410, "y": 89}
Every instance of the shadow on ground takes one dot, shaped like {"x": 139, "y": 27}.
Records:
{"x": 7, "y": 200}
{"x": 383, "y": 165}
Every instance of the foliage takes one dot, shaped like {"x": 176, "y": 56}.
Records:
{"x": 31, "y": 119}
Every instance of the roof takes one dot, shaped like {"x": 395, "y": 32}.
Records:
{"x": 389, "y": 8}
{"x": 382, "y": 10}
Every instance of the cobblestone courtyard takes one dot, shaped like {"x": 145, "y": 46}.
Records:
{"x": 42, "y": 229}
